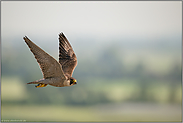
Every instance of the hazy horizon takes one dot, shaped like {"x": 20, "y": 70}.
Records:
{"x": 100, "y": 19}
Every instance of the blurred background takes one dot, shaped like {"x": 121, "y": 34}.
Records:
{"x": 129, "y": 60}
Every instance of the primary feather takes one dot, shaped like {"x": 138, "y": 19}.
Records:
{"x": 67, "y": 57}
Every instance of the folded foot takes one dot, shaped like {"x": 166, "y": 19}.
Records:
{"x": 41, "y": 85}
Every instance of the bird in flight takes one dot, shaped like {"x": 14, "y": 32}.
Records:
{"x": 58, "y": 74}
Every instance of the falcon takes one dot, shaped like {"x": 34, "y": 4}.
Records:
{"x": 58, "y": 74}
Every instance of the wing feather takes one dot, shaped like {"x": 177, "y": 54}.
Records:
{"x": 67, "y": 57}
{"x": 49, "y": 66}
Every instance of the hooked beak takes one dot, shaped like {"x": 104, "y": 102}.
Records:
{"x": 75, "y": 82}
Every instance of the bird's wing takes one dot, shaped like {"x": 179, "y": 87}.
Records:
{"x": 49, "y": 66}
{"x": 67, "y": 57}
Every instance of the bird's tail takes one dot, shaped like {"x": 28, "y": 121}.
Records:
{"x": 37, "y": 81}
{"x": 34, "y": 82}
{"x": 41, "y": 83}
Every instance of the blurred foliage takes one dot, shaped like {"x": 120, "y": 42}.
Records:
{"x": 105, "y": 77}
{"x": 110, "y": 76}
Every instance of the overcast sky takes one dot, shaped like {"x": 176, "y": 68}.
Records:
{"x": 103, "y": 19}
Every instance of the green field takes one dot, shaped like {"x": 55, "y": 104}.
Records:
{"x": 108, "y": 112}
{"x": 97, "y": 101}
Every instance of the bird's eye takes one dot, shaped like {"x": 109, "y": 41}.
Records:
{"x": 73, "y": 81}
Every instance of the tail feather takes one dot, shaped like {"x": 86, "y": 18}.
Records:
{"x": 35, "y": 82}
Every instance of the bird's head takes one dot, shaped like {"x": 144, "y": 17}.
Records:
{"x": 73, "y": 81}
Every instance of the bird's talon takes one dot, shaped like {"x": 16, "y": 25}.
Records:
{"x": 41, "y": 85}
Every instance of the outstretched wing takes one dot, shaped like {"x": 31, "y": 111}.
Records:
{"x": 67, "y": 57}
{"x": 49, "y": 66}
